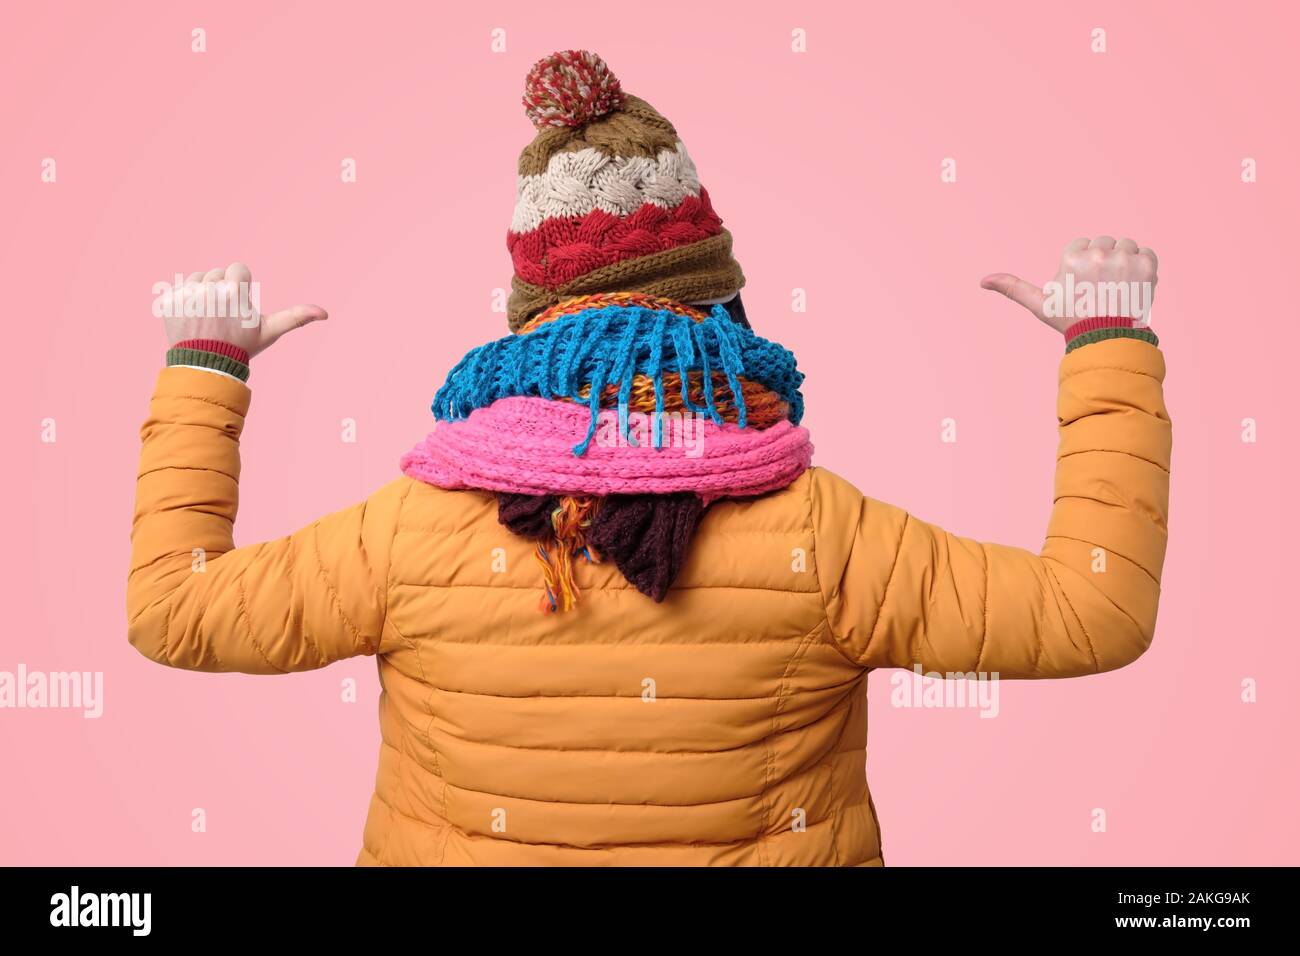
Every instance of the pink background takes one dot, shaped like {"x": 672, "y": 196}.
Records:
{"x": 825, "y": 165}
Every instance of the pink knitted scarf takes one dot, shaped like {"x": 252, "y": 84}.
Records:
{"x": 524, "y": 445}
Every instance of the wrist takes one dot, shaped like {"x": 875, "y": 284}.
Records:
{"x": 1105, "y": 333}
{"x": 212, "y": 355}
{"x": 1093, "y": 324}
{"x": 217, "y": 346}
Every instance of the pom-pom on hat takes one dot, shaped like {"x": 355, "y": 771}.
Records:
{"x": 607, "y": 199}
{"x": 570, "y": 88}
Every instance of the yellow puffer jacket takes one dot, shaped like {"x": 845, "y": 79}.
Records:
{"x": 725, "y": 726}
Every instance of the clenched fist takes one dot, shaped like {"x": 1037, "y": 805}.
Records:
{"x": 222, "y": 304}
{"x": 1097, "y": 277}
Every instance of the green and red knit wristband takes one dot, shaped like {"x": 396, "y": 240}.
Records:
{"x": 1087, "y": 331}
{"x": 213, "y": 354}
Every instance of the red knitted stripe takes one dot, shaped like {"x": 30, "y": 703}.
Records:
{"x": 562, "y": 249}
{"x": 1102, "y": 322}
{"x": 217, "y": 346}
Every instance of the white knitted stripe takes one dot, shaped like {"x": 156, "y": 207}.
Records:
{"x": 214, "y": 371}
{"x": 576, "y": 183}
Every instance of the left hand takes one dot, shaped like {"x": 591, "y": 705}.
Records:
{"x": 227, "y": 301}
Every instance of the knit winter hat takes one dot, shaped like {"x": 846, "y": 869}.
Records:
{"x": 608, "y": 199}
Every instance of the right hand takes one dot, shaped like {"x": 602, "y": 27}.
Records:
{"x": 1101, "y": 263}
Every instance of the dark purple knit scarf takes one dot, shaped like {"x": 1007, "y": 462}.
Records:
{"x": 646, "y": 536}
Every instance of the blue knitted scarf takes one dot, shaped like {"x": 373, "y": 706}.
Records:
{"x": 613, "y": 344}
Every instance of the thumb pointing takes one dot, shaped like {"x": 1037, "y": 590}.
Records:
{"x": 1016, "y": 289}
{"x": 286, "y": 320}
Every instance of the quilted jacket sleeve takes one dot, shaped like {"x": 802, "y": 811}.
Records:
{"x": 196, "y": 601}
{"x": 901, "y": 592}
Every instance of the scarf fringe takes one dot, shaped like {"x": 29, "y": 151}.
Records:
{"x": 571, "y": 523}
{"x": 592, "y": 349}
